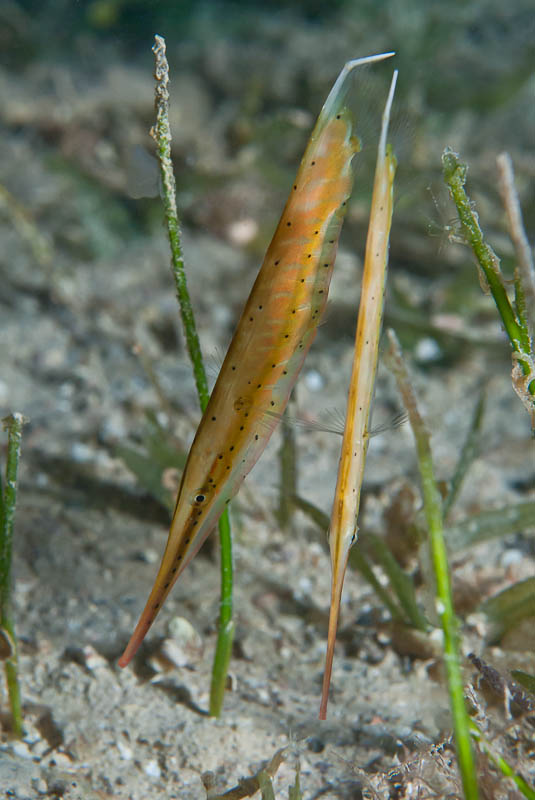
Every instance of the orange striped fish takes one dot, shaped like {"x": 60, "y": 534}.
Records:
{"x": 271, "y": 340}
{"x": 343, "y": 528}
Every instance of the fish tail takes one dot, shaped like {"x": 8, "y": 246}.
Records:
{"x": 337, "y": 95}
{"x": 386, "y": 117}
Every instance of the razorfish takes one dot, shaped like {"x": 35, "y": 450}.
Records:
{"x": 343, "y": 527}
{"x": 269, "y": 345}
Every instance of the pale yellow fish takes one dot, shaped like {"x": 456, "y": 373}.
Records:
{"x": 343, "y": 528}
{"x": 268, "y": 348}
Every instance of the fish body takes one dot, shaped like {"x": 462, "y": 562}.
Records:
{"x": 268, "y": 348}
{"x": 343, "y": 527}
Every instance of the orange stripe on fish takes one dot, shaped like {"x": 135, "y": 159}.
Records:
{"x": 343, "y": 528}
{"x": 267, "y": 351}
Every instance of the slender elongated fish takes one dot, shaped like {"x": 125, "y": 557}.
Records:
{"x": 271, "y": 340}
{"x": 343, "y": 528}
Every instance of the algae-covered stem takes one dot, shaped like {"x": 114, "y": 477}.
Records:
{"x": 513, "y": 318}
{"x": 432, "y": 501}
{"x": 161, "y": 133}
{"x": 518, "y": 235}
{"x": 8, "y": 499}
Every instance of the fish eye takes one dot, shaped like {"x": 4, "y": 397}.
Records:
{"x": 200, "y": 498}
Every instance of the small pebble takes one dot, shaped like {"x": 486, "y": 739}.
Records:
{"x": 124, "y": 751}
{"x": 427, "y": 349}
{"x": 40, "y": 785}
{"x": 149, "y": 556}
{"x": 60, "y": 760}
{"x": 152, "y": 769}
{"x": 40, "y": 749}
{"x": 182, "y": 631}
{"x": 21, "y": 750}
{"x": 92, "y": 659}
{"x": 242, "y": 232}
{"x": 183, "y": 647}
{"x": 314, "y": 381}
{"x": 31, "y": 734}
